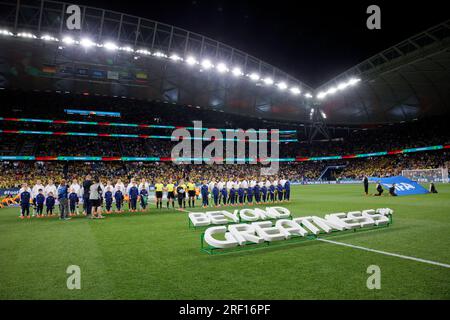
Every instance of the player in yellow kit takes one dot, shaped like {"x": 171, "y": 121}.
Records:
{"x": 190, "y": 188}
{"x": 159, "y": 193}
{"x": 170, "y": 188}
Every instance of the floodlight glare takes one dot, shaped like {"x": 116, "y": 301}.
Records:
{"x": 110, "y": 46}
{"x": 295, "y": 90}
{"x": 237, "y": 72}
{"x": 48, "y": 38}
{"x": 6, "y": 33}
{"x": 332, "y": 90}
{"x": 323, "y": 114}
{"x": 222, "y": 67}
{"x": 254, "y": 76}
{"x": 308, "y": 95}
{"x": 342, "y": 86}
{"x": 68, "y": 40}
{"x": 282, "y": 85}
{"x": 191, "y": 61}
{"x": 87, "y": 43}
{"x": 26, "y": 35}
{"x": 144, "y": 52}
{"x": 353, "y": 81}
{"x": 268, "y": 81}
{"x": 321, "y": 95}
{"x": 159, "y": 54}
{"x": 206, "y": 63}
{"x": 175, "y": 57}
{"x": 127, "y": 49}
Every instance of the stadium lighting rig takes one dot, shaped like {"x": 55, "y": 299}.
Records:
{"x": 205, "y": 64}
{"x": 340, "y": 87}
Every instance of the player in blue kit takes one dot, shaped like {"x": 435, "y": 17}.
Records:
{"x": 280, "y": 191}
{"x": 272, "y": 193}
{"x": 50, "y": 204}
{"x": 108, "y": 201}
{"x": 144, "y": 198}
{"x": 287, "y": 190}
{"x": 224, "y": 193}
{"x": 134, "y": 194}
{"x": 250, "y": 195}
{"x": 257, "y": 193}
{"x": 216, "y": 193}
{"x": 40, "y": 199}
{"x": 73, "y": 202}
{"x": 25, "y": 197}
{"x": 118, "y": 196}
{"x": 232, "y": 196}
{"x": 204, "y": 190}
{"x": 264, "y": 193}
{"x": 241, "y": 194}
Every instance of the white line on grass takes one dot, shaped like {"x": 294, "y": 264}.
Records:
{"x": 386, "y": 253}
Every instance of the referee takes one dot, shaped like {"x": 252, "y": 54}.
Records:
{"x": 86, "y": 194}
{"x": 366, "y": 185}
{"x": 159, "y": 193}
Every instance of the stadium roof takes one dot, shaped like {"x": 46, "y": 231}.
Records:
{"x": 401, "y": 83}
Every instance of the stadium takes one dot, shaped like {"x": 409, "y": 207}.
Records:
{"x": 96, "y": 106}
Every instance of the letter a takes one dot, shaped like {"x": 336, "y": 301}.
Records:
{"x": 73, "y": 22}
{"x": 374, "y": 280}
{"x": 74, "y": 280}
{"x": 374, "y": 20}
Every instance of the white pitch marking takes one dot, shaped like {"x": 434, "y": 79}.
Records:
{"x": 387, "y": 253}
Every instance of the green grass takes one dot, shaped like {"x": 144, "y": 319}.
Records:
{"x": 156, "y": 256}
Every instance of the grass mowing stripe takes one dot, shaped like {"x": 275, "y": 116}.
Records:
{"x": 386, "y": 253}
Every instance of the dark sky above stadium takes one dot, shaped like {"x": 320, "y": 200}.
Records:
{"x": 312, "y": 40}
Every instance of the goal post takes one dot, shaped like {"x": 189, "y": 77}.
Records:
{"x": 427, "y": 175}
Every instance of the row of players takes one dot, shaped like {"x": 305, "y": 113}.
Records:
{"x": 93, "y": 193}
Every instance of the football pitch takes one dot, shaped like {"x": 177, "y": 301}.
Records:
{"x": 155, "y": 255}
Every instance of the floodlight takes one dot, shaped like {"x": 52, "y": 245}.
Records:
{"x": 237, "y": 71}
{"x": 308, "y": 95}
{"x": 268, "y": 81}
{"x": 191, "y": 61}
{"x": 282, "y": 85}
{"x": 321, "y": 95}
{"x": 26, "y": 35}
{"x": 6, "y": 33}
{"x": 295, "y": 90}
{"x": 206, "y": 63}
{"x": 144, "y": 52}
{"x": 48, "y": 38}
{"x": 159, "y": 54}
{"x": 254, "y": 76}
{"x": 175, "y": 57}
{"x": 87, "y": 43}
{"x": 222, "y": 67}
{"x": 126, "y": 49}
{"x": 110, "y": 46}
{"x": 68, "y": 40}
{"x": 332, "y": 90}
{"x": 353, "y": 81}
{"x": 342, "y": 86}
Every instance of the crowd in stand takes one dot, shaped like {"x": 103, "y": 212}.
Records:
{"x": 16, "y": 173}
{"x": 345, "y": 141}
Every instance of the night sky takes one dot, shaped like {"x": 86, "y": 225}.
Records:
{"x": 312, "y": 40}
